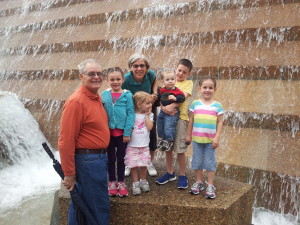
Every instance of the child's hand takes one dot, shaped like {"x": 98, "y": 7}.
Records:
{"x": 172, "y": 98}
{"x": 215, "y": 143}
{"x": 188, "y": 139}
{"x": 149, "y": 111}
{"x": 126, "y": 139}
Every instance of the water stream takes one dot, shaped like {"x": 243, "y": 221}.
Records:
{"x": 27, "y": 179}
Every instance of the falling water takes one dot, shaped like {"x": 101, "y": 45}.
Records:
{"x": 167, "y": 28}
{"x": 27, "y": 179}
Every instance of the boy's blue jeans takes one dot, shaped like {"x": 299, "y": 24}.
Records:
{"x": 91, "y": 182}
{"x": 166, "y": 125}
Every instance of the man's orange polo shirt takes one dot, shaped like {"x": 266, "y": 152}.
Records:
{"x": 84, "y": 124}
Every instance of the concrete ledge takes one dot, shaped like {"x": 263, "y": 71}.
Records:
{"x": 165, "y": 204}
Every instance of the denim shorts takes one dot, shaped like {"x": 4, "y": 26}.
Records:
{"x": 204, "y": 157}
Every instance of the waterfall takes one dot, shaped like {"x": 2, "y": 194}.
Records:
{"x": 25, "y": 169}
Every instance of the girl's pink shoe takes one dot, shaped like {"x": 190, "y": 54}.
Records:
{"x": 112, "y": 189}
{"x": 122, "y": 189}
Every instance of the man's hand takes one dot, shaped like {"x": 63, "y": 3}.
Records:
{"x": 69, "y": 182}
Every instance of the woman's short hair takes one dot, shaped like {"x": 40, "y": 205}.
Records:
{"x": 136, "y": 56}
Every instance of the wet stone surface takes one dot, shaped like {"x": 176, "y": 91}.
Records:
{"x": 166, "y": 204}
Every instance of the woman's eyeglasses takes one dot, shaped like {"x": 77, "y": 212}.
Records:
{"x": 137, "y": 66}
{"x": 92, "y": 74}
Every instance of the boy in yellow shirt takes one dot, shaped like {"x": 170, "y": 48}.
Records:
{"x": 183, "y": 70}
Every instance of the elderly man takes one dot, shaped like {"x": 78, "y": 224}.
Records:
{"x": 84, "y": 137}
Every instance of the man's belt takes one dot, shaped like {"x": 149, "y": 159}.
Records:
{"x": 90, "y": 151}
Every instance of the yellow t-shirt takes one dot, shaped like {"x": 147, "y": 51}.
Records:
{"x": 185, "y": 86}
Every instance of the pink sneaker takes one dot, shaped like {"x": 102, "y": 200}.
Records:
{"x": 122, "y": 190}
{"x": 112, "y": 189}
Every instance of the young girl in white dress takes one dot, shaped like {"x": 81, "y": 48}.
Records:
{"x": 137, "y": 153}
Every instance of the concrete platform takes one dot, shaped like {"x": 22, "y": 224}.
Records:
{"x": 165, "y": 204}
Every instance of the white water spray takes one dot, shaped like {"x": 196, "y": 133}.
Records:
{"x": 27, "y": 170}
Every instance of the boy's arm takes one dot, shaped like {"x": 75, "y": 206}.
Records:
{"x": 188, "y": 138}
{"x": 186, "y": 95}
{"x": 171, "y": 109}
{"x": 216, "y": 139}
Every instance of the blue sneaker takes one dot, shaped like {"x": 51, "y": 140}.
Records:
{"x": 166, "y": 178}
{"x": 182, "y": 182}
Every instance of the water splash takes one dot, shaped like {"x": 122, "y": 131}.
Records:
{"x": 266, "y": 217}
{"x": 277, "y": 192}
{"x": 27, "y": 170}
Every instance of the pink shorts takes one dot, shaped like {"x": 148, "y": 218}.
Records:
{"x": 137, "y": 156}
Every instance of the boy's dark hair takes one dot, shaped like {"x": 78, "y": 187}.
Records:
{"x": 186, "y": 63}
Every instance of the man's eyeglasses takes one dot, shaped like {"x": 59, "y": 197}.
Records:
{"x": 137, "y": 66}
{"x": 92, "y": 74}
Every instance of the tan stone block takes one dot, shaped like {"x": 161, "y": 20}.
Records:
{"x": 260, "y": 96}
{"x": 260, "y": 149}
{"x": 166, "y": 204}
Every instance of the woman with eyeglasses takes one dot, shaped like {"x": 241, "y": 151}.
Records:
{"x": 141, "y": 78}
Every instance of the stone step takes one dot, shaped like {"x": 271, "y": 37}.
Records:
{"x": 165, "y": 204}
{"x": 218, "y": 55}
{"x": 279, "y": 35}
{"x": 96, "y": 26}
{"x": 90, "y": 13}
{"x": 224, "y": 73}
{"x": 78, "y": 7}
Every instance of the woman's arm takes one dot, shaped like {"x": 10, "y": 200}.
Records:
{"x": 154, "y": 91}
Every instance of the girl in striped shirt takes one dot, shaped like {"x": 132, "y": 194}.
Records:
{"x": 204, "y": 129}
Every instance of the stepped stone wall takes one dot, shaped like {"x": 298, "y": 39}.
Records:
{"x": 250, "y": 46}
